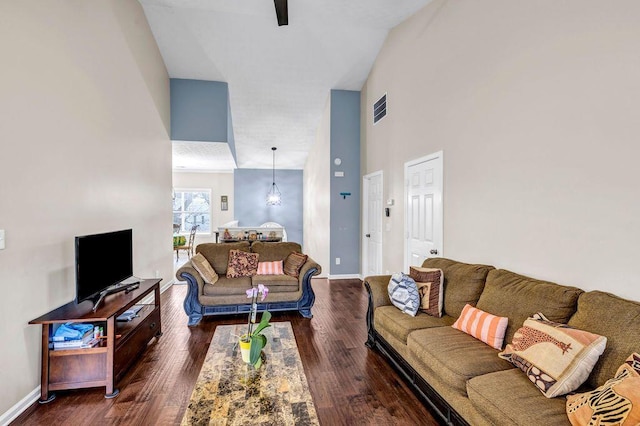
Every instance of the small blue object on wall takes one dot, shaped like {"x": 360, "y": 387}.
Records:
{"x": 345, "y": 195}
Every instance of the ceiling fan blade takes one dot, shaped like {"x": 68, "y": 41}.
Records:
{"x": 282, "y": 12}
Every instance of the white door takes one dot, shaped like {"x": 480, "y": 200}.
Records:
{"x": 423, "y": 207}
{"x": 372, "y": 224}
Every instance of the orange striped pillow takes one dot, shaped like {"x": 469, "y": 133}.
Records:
{"x": 483, "y": 326}
{"x": 270, "y": 268}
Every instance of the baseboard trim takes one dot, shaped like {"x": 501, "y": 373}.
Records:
{"x": 344, "y": 277}
{"x": 12, "y": 413}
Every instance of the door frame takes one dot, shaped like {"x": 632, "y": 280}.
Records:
{"x": 365, "y": 219}
{"x": 407, "y": 165}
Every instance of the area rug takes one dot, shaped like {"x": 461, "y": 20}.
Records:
{"x": 230, "y": 392}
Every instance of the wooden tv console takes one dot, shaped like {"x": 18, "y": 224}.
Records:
{"x": 106, "y": 363}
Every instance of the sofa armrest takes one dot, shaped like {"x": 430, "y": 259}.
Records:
{"x": 307, "y": 267}
{"x": 195, "y": 284}
{"x": 377, "y": 286}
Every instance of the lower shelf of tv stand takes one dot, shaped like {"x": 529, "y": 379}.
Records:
{"x": 102, "y": 365}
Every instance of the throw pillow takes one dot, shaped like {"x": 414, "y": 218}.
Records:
{"x": 270, "y": 268}
{"x": 429, "y": 282}
{"x": 482, "y": 325}
{"x": 556, "y": 358}
{"x": 204, "y": 268}
{"x": 403, "y": 293}
{"x": 293, "y": 263}
{"x": 242, "y": 264}
{"x": 616, "y": 402}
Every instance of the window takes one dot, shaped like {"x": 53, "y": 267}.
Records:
{"x": 192, "y": 207}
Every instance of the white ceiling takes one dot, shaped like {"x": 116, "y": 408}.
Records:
{"x": 279, "y": 77}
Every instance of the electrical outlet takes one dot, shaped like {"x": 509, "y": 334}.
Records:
{"x": 2, "y": 239}
{"x": 337, "y": 260}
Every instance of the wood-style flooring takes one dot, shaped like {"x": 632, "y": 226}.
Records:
{"x": 350, "y": 384}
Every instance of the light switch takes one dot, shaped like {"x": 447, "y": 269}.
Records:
{"x": 1, "y": 239}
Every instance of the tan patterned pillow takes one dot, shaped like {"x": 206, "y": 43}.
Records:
{"x": 616, "y": 402}
{"x": 202, "y": 265}
{"x": 556, "y": 358}
{"x": 429, "y": 282}
{"x": 242, "y": 264}
{"x": 293, "y": 263}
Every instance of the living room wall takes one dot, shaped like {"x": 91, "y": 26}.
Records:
{"x": 85, "y": 149}
{"x": 535, "y": 106}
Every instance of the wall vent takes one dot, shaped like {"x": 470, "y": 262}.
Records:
{"x": 380, "y": 109}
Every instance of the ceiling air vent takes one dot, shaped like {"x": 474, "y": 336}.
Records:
{"x": 380, "y": 109}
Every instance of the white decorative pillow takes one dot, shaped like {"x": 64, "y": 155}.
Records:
{"x": 556, "y": 358}
{"x": 403, "y": 293}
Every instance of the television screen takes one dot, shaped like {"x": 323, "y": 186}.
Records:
{"x": 102, "y": 260}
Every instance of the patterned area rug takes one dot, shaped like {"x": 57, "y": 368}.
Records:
{"x": 230, "y": 392}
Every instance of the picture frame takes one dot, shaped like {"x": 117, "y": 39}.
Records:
{"x": 224, "y": 203}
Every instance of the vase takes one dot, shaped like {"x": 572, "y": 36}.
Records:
{"x": 245, "y": 350}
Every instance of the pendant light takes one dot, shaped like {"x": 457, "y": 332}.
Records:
{"x": 273, "y": 197}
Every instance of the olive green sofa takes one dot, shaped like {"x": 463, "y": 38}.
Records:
{"x": 462, "y": 379}
{"x": 227, "y": 295}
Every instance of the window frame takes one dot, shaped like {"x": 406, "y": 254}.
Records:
{"x": 182, "y": 212}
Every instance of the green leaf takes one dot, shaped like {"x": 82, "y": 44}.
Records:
{"x": 257, "y": 343}
{"x": 264, "y": 322}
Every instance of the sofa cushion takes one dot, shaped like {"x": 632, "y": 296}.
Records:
{"x": 556, "y": 358}
{"x": 218, "y": 253}
{"x": 615, "y": 402}
{"x": 279, "y": 282}
{"x": 204, "y": 268}
{"x": 482, "y": 325}
{"x": 430, "y": 283}
{"x": 517, "y": 297}
{"x": 274, "y": 251}
{"x": 399, "y": 324}
{"x": 618, "y": 319}
{"x": 242, "y": 264}
{"x": 293, "y": 263}
{"x": 463, "y": 283}
{"x": 403, "y": 293}
{"x": 228, "y": 286}
{"x": 509, "y": 398}
{"x": 454, "y": 356}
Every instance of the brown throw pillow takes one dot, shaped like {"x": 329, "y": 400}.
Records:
{"x": 202, "y": 265}
{"x": 242, "y": 264}
{"x": 293, "y": 263}
{"x": 429, "y": 282}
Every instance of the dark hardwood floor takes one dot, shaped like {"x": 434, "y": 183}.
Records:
{"x": 350, "y": 384}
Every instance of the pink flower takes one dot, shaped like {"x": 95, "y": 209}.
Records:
{"x": 263, "y": 291}
{"x": 251, "y": 292}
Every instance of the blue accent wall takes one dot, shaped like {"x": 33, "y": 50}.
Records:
{"x": 200, "y": 111}
{"x": 345, "y": 212}
{"x": 250, "y": 199}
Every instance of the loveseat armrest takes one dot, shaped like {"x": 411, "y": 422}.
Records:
{"x": 311, "y": 267}
{"x": 376, "y": 286}
{"x": 308, "y": 270}
{"x": 195, "y": 286}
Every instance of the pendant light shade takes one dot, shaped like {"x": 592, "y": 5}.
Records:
{"x": 273, "y": 197}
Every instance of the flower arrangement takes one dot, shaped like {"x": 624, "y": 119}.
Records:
{"x": 252, "y": 343}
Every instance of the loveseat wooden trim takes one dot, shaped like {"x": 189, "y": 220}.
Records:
{"x": 446, "y": 415}
{"x": 195, "y": 310}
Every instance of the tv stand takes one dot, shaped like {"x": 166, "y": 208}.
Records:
{"x": 106, "y": 363}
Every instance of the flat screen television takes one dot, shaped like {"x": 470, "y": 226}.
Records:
{"x": 102, "y": 261}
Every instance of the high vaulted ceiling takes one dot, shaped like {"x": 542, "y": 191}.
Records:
{"x": 279, "y": 77}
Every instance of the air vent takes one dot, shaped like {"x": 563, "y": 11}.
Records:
{"x": 380, "y": 109}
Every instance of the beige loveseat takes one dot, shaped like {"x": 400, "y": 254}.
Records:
{"x": 227, "y": 295}
{"x": 462, "y": 379}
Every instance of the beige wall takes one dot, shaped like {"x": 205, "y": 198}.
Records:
{"x": 536, "y": 106}
{"x": 219, "y": 184}
{"x": 84, "y": 113}
{"x": 316, "y": 197}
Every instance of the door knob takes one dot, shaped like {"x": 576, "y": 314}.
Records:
{"x": 367, "y": 235}
{"x": 433, "y": 251}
